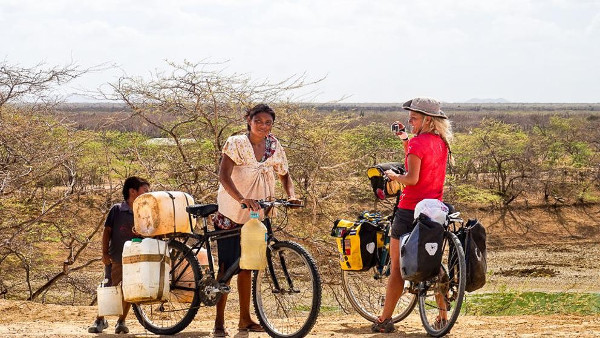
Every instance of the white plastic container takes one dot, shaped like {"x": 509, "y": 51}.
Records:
{"x": 253, "y": 244}
{"x": 146, "y": 267}
{"x": 110, "y": 300}
{"x": 162, "y": 212}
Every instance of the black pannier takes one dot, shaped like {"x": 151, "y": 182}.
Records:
{"x": 421, "y": 250}
{"x": 382, "y": 186}
{"x": 473, "y": 239}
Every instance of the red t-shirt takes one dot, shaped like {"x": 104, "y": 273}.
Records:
{"x": 433, "y": 152}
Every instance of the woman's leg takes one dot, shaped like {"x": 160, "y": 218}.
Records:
{"x": 395, "y": 286}
{"x": 244, "y": 282}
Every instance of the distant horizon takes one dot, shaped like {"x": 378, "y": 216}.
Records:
{"x": 374, "y": 103}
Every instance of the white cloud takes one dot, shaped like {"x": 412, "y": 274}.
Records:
{"x": 374, "y": 50}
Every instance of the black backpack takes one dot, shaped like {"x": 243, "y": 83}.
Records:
{"x": 382, "y": 187}
{"x": 473, "y": 239}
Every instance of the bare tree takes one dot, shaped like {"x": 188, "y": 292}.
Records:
{"x": 197, "y": 106}
{"x": 33, "y": 84}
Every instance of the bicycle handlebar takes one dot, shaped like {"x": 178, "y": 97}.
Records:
{"x": 278, "y": 202}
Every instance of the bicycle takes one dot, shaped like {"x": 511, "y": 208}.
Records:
{"x": 286, "y": 295}
{"x": 442, "y": 294}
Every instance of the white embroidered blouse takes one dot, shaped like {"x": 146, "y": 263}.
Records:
{"x": 252, "y": 178}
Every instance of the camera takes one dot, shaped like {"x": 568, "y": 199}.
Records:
{"x": 396, "y": 128}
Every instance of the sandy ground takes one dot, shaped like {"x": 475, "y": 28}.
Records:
{"x": 26, "y": 319}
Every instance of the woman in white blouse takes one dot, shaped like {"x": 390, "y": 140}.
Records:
{"x": 247, "y": 173}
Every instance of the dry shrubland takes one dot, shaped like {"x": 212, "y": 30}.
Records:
{"x": 61, "y": 166}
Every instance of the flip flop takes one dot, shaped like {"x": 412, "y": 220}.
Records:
{"x": 220, "y": 332}
{"x": 254, "y": 327}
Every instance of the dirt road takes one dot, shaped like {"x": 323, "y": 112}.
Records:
{"x": 26, "y": 319}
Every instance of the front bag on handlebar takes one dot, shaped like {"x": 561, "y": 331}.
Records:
{"x": 358, "y": 243}
{"x": 382, "y": 186}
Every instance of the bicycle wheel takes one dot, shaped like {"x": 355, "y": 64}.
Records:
{"x": 366, "y": 292}
{"x": 444, "y": 292}
{"x": 287, "y": 295}
{"x": 178, "y": 311}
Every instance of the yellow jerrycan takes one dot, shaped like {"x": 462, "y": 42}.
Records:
{"x": 253, "y": 244}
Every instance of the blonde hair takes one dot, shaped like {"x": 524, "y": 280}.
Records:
{"x": 440, "y": 126}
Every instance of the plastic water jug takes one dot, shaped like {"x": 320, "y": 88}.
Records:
{"x": 253, "y": 244}
{"x": 162, "y": 212}
{"x": 202, "y": 257}
{"x": 110, "y": 300}
{"x": 146, "y": 268}
{"x": 186, "y": 279}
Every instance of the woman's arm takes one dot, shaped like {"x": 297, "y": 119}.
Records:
{"x": 225, "y": 170}
{"x": 412, "y": 176}
{"x": 288, "y": 185}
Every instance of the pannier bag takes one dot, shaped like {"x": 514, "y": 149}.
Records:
{"x": 382, "y": 186}
{"x": 358, "y": 243}
{"x": 473, "y": 240}
{"x": 421, "y": 250}
{"x": 162, "y": 212}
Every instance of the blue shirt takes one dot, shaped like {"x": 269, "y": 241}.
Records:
{"x": 120, "y": 220}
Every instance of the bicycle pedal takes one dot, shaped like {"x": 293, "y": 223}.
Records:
{"x": 224, "y": 289}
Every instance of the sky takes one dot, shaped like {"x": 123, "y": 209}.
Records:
{"x": 383, "y": 51}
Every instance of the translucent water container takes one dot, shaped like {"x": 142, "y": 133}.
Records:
{"x": 146, "y": 267}
{"x": 253, "y": 244}
{"x": 202, "y": 257}
{"x": 110, "y": 300}
{"x": 162, "y": 212}
{"x": 186, "y": 279}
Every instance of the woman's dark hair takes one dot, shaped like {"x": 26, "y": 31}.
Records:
{"x": 259, "y": 108}
{"x": 133, "y": 182}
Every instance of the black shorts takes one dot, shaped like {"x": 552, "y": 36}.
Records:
{"x": 403, "y": 223}
{"x": 229, "y": 250}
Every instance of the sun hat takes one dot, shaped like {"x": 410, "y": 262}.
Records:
{"x": 425, "y": 105}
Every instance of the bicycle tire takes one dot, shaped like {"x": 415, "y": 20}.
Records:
{"x": 174, "y": 315}
{"x": 286, "y": 311}
{"x": 450, "y": 283}
{"x": 366, "y": 291}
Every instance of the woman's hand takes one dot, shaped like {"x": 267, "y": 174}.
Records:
{"x": 392, "y": 175}
{"x": 401, "y": 133}
{"x": 296, "y": 203}
{"x": 250, "y": 204}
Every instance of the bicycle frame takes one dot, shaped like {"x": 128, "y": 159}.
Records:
{"x": 204, "y": 241}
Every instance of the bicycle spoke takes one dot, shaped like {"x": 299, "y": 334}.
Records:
{"x": 287, "y": 300}
{"x": 440, "y": 298}
{"x": 182, "y": 304}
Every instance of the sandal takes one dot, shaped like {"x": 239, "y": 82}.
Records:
{"x": 254, "y": 327}
{"x": 386, "y": 326}
{"x": 220, "y": 332}
{"x": 440, "y": 324}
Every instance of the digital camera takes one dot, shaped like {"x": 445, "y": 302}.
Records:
{"x": 396, "y": 128}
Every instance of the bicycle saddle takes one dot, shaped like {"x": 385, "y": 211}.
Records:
{"x": 202, "y": 210}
